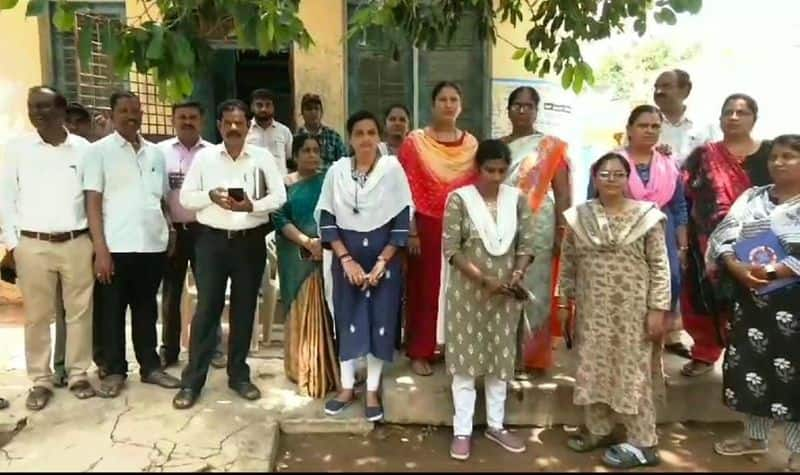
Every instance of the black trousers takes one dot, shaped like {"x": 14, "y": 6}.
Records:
{"x": 221, "y": 256}
{"x": 135, "y": 285}
{"x": 172, "y": 290}
{"x": 97, "y": 325}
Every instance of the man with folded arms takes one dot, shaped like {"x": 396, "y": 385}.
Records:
{"x": 45, "y": 230}
{"x": 125, "y": 184}
{"x": 233, "y": 187}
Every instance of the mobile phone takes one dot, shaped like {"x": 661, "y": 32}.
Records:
{"x": 236, "y": 193}
{"x": 305, "y": 254}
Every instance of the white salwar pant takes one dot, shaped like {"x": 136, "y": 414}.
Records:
{"x": 464, "y": 402}
{"x": 374, "y": 369}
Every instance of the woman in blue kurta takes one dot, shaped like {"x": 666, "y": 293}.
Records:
{"x": 363, "y": 216}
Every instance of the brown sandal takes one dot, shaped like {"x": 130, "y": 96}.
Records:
{"x": 82, "y": 390}
{"x": 38, "y": 397}
{"x": 421, "y": 368}
{"x": 696, "y": 368}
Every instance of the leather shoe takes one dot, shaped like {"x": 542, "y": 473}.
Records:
{"x": 167, "y": 360}
{"x": 162, "y": 379}
{"x": 246, "y": 390}
{"x": 185, "y": 398}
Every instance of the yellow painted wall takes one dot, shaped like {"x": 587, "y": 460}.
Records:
{"x": 20, "y": 50}
{"x": 321, "y": 69}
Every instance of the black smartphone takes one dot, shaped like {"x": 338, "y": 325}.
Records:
{"x": 236, "y": 193}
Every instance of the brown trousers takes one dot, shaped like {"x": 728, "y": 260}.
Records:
{"x": 41, "y": 266}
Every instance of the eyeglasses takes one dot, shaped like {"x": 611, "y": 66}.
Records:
{"x": 517, "y": 107}
{"x": 608, "y": 176}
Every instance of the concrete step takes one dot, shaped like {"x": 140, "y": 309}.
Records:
{"x": 546, "y": 400}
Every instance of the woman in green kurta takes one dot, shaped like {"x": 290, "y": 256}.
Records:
{"x": 309, "y": 353}
{"x": 489, "y": 242}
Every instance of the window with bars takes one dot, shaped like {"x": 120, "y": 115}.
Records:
{"x": 92, "y": 84}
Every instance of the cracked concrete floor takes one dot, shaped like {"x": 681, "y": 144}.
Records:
{"x": 140, "y": 431}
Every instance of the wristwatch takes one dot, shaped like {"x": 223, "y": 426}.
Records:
{"x": 772, "y": 273}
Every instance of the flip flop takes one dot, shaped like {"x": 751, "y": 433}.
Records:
{"x": 696, "y": 368}
{"x": 38, "y": 397}
{"x": 415, "y": 367}
{"x": 626, "y": 456}
{"x": 82, "y": 390}
{"x": 586, "y": 442}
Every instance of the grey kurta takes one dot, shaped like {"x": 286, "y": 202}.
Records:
{"x": 481, "y": 330}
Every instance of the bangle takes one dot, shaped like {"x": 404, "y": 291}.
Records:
{"x": 518, "y": 272}
{"x": 382, "y": 259}
{"x": 345, "y": 257}
{"x": 683, "y": 248}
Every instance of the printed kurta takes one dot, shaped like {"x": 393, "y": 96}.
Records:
{"x": 481, "y": 330}
{"x": 616, "y": 276}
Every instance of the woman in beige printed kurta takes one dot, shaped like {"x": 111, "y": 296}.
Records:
{"x": 615, "y": 269}
{"x": 489, "y": 242}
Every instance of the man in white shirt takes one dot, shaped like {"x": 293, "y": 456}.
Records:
{"x": 268, "y": 133}
{"x": 233, "y": 187}
{"x": 179, "y": 153}
{"x": 682, "y": 135}
{"x": 125, "y": 184}
{"x": 679, "y": 131}
{"x": 45, "y": 230}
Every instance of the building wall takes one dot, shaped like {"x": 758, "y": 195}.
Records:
{"x": 321, "y": 69}
{"x": 20, "y": 47}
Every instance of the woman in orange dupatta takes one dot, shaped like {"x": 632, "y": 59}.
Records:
{"x": 437, "y": 160}
{"x": 540, "y": 168}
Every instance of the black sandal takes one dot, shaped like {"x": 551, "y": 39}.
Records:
{"x": 626, "y": 456}
{"x": 586, "y": 442}
{"x": 82, "y": 390}
{"x": 38, "y": 397}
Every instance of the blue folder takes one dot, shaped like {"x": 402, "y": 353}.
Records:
{"x": 761, "y": 250}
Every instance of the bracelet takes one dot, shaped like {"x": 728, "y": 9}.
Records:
{"x": 382, "y": 259}
{"x": 345, "y": 258}
{"x": 518, "y": 272}
{"x": 683, "y": 248}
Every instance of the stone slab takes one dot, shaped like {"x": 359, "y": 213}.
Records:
{"x": 543, "y": 401}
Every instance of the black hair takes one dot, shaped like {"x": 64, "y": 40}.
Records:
{"x": 397, "y": 106}
{"x": 643, "y": 109}
{"x": 232, "y": 105}
{"x": 516, "y": 92}
{"x": 358, "y": 117}
{"x": 751, "y": 103}
{"x": 119, "y": 95}
{"x": 492, "y": 149}
{"x": 309, "y": 100}
{"x": 607, "y": 158}
{"x": 262, "y": 94}
{"x": 788, "y": 140}
{"x": 300, "y": 139}
{"x": 59, "y": 100}
{"x": 80, "y": 112}
{"x": 187, "y": 104}
{"x": 443, "y": 84}
{"x": 684, "y": 80}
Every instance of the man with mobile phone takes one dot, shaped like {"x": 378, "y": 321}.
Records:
{"x": 224, "y": 186}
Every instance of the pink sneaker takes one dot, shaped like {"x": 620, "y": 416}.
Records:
{"x": 459, "y": 448}
{"x": 506, "y": 440}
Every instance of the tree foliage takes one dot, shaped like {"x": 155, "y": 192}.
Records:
{"x": 173, "y": 38}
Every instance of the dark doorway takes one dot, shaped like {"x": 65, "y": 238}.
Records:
{"x": 236, "y": 73}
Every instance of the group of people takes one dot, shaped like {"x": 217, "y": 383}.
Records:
{"x": 430, "y": 241}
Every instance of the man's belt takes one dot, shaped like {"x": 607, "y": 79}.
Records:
{"x": 54, "y": 237}
{"x": 231, "y": 234}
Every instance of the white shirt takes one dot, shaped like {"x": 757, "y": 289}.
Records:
{"x": 277, "y": 138}
{"x": 685, "y": 136}
{"x": 42, "y": 186}
{"x": 214, "y": 168}
{"x": 178, "y": 159}
{"x": 133, "y": 185}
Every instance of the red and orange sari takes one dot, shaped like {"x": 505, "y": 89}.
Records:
{"x": 434, "y": 169}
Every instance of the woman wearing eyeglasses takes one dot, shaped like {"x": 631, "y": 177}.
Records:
{"x": 615, "y": 275}
{"x": 715, "y": 175}
{"x": 655, "y": 178}
{"x": 540, "y": 169}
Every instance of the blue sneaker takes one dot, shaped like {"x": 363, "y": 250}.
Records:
{"x": 334, "y": 406}
{"x": 374, "y": 413}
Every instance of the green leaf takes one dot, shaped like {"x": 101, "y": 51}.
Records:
{"x": 566, "y": 76}
{"x": 263, "y": 42}
{"x": 155, "y": 49}
{"x": 64, "y": 17}
{"x": 577, "y": 82}
{"x": 694, "y": 6}
{"x": 85, "y": 42}
{"x": 519, "y": 53}
{"x": 182, "y": 50}
{"x": 270, "y": 31}
{"x": 36, "y": 7}
{"x": 8, "y": 4}
{"x": 666, "y": 15}
{"x": 587, "y": 73}
{"x": 185, "y": 84}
